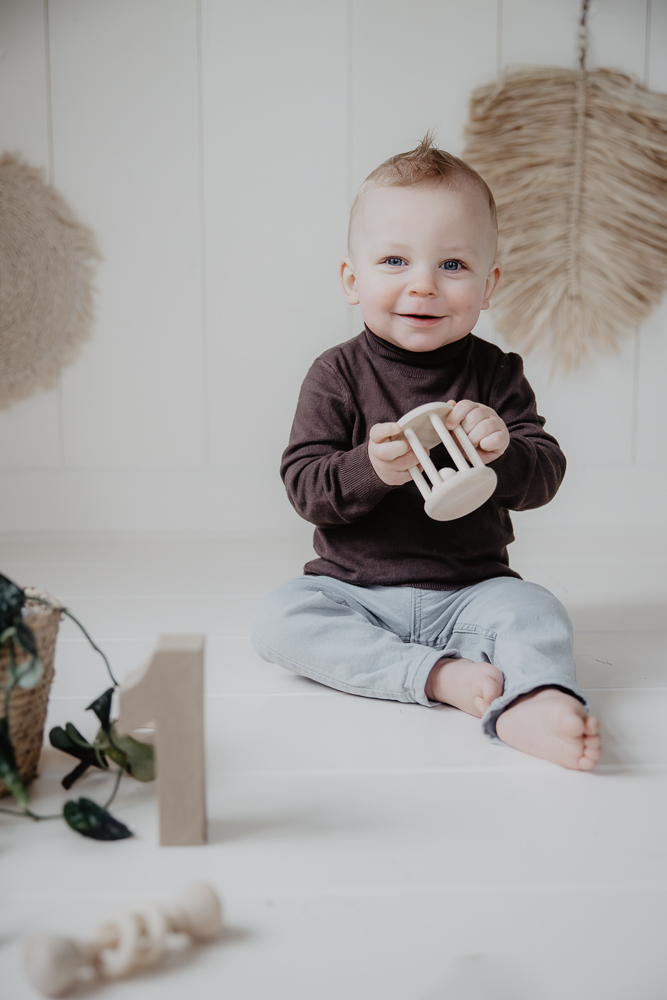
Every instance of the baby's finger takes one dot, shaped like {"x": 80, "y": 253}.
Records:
{"x": 479, "y": 428}
{"x": 489, "y": 426}
{"x": 388, "y": 451}
{"x": 493, "y": 442}
{"x": 381, "y": 432}
{"x": 407, "y": 461}
{"x": 459, "y": 413}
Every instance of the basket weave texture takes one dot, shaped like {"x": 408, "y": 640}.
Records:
{"x": 27, "y": 713}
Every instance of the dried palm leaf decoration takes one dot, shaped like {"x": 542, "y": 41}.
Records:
{"x": 45, "y": 281}
{"x": 577, "y": 162}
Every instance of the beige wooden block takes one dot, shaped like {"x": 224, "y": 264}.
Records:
{"x": 169, "y": 692}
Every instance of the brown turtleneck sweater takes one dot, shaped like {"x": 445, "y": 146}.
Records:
{"x": 369, "y": 533}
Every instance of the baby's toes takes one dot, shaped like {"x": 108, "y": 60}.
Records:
{"x": 491, "y": 687}
{"x": 592, "y": 726}
{"x": 592, "y": 747}
{"x": 586, "y": 763}
{"x": 592, "y": 753}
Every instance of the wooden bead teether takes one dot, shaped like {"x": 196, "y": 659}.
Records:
{"x": 125, "y": 942}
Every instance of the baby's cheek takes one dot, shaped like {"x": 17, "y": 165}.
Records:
{"x": 467, "y": 297}
{"x": 385, "y": 298}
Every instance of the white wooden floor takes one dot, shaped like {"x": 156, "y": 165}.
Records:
{"x": 363, "y": 849}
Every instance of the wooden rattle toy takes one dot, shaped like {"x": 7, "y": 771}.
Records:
{"x": 125, "y": 942}
{"x": 453, "y": 493}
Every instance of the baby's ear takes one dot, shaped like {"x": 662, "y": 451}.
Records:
{"x": 492, "y": 280}
{"x": 348, "y": 281}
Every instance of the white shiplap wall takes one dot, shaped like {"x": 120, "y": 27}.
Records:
{"x": 214, "y": 147}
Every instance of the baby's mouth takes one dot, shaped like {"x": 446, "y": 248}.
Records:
{"x": 421, "y": 318}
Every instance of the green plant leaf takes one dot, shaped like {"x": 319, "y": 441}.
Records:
{"x": 76, "y": 738}
{"x": 102, "y": 707}
{"x": 91, "y": 820}
{"x": 26, "y": 638}
{"x": 9, "y": 772}
{"x": 12, "y": 600}
{"x": 70, "y": 741}
{"x": 76, "y": 773}
{"x": 138, "y": 759}
{"x": 7, "y": 634}
{"x": 29, "y": 673}
{"x": 11, "y": 666}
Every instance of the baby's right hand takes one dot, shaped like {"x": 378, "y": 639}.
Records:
{"x": 391, "y": 459}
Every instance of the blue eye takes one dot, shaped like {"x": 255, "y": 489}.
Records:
{"x": 452, "y": 265}
{"x": 394, "y": 261}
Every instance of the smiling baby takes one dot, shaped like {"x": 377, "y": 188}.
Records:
{"x": 398, "y": 605}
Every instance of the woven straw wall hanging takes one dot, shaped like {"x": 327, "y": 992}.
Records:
{"x": 45, "y": 281}
{"x": 577, "y": 162}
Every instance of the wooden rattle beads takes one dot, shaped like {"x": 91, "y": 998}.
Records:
{"x": 453, "y": 493}
{"x": 125, "y": 942}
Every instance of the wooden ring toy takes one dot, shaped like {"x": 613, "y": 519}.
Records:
{"x": 125, "y": 943}
{"x": 452, "y": 493}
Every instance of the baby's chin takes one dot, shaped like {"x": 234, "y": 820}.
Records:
{"x": 420, "y": 341}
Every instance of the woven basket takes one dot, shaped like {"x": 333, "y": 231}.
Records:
{"x": 27, "y": 713}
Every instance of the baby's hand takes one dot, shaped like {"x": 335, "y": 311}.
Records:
{"x": 391, "y": 459}
{"x": 486, "y": 430}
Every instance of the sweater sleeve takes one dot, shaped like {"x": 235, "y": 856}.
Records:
{"x": 532, "y": 468}
{"x": 328, "y": 480}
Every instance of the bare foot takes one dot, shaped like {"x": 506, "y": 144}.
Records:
{"x": 464, "y": 684}
{"x": 553, "y": 725}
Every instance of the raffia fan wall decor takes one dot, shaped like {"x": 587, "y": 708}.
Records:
{"x": 577, "y": 162}
{"x": 46, "y": 269}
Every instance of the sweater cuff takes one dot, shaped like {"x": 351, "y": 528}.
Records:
{"x": 359, "y": 479}
{"x": 510, "y": 469}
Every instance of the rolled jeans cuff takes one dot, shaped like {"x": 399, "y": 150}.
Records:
{"x": 416, "y": 680}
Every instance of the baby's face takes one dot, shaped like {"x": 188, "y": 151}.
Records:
{"x": 421, "y": 263}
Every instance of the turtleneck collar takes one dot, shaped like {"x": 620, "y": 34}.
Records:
{"x": 416, "y": 359}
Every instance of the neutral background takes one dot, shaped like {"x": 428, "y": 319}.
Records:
{"x": 214, "y": 148}
{"x": 361, "y": 846}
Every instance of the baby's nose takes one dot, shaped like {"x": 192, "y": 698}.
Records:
{"x": 423, "y": 287}
{"x": 423, "y": 282}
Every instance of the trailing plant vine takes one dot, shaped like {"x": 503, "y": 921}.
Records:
{"x": 129, "y": 755}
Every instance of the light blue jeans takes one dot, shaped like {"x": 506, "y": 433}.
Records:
{"x": 382, "y": 642}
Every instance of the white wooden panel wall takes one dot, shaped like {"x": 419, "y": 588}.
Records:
{"x": 413, "y": 67}
{"x": 274, "y": 126}
{"x": 214, "y": 147}
{"x": 126, "y": 153}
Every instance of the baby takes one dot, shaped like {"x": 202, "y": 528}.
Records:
{"x": 398, "y": 605}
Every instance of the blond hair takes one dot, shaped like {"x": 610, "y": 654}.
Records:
{"x": 426, "y": 164}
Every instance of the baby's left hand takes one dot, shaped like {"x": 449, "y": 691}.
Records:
{"x": 486, "y": 430}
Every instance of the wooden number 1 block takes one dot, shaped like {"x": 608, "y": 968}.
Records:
{"x": 169, "y": 692}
